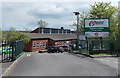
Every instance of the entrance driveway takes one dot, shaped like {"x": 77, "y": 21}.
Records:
{"x": 61, "y": 64}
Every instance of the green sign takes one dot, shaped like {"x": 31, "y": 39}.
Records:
{"x": 96, "y": 27}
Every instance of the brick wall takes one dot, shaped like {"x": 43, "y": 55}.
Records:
{"x": 51, "y": 43}
{"x": 27, "y": 46}
{"x": 37, "y": 45}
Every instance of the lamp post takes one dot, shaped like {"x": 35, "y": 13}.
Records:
{"x": 77, "y": 32}
{"x": 118, "y": 29}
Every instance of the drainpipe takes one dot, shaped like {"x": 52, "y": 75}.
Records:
{"x": 62, "y": 31}
{"x": 58, "y": 31}
{"x": 42, "y": 31}
{"x": 50, "y": 31}
{"x": 66, "y": 31}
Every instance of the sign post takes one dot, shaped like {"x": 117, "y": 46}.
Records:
{"x": 96, "y": 27}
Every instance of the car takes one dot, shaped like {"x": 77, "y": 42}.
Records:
{"x": 52, "y": 49}
{"x": 43, "y": 51}
{"x": 55, "y": 49}
{"x": 60, "y": 49}
{"x": 66, "y": 48}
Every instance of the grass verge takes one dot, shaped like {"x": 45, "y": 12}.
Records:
{"x": 101, "y": 54}
{"x": 27, "y": 52}
{"x": 82, "y": 51}
{"x": 87, "y": 53}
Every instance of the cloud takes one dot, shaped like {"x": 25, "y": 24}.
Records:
{"x": 23, "y": 15}
{"x": 60, "y": 0}
{"x": 0, "y": 15}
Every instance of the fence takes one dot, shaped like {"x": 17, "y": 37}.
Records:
{"x": 98, "y": 46}
{"x": 93, "y": 46}
{"x": 11, "y": 50}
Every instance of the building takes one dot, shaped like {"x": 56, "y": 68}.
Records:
{"x": 52, "y": 31}
{"x": 48, "y": 37}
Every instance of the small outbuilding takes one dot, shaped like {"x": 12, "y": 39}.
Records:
{"x": 41, "y": 41}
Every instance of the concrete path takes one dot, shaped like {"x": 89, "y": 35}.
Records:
{"x": 61, "y": 64}
{"x": 4, "y": 67}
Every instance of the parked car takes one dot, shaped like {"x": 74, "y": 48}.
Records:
{"x": 55, "y": 50}
{"x": 66, "y": 48}
{"x": 60, "y": 49}
{"x": 43, "y": 51}
{"x": 52, "y": 49}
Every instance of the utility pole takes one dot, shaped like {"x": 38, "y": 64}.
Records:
{"x": 118, "y": 28}
{"x": 77, "y": 32}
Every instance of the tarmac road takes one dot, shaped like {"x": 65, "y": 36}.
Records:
{"x": 61, "y": 64}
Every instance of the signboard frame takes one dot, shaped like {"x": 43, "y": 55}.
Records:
{"x": 98, "y": 27}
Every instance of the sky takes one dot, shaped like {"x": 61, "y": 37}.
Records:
{"x": 24, "y": 14}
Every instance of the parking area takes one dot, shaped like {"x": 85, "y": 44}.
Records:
{"x": 61, "y": 64}
{"x": 110, "y": 61}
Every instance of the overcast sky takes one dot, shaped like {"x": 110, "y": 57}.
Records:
{"x": 23, "y": 14}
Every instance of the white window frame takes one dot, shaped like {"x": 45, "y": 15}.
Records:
{"x": 40, "y": 44}
{"x": 34, "y": 45}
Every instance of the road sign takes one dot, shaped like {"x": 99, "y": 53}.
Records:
{"x": 95, "y": 27}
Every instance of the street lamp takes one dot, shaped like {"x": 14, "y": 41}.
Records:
{"x": 77, "y": 42}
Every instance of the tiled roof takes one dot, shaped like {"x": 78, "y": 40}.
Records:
{"x": 52, "y": 36}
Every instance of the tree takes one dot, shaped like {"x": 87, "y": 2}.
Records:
{"x": 13, "y": 35}
{"x": 42, "y": 23}
{"x": 12, "y": 29}
{"x": 106, "y": 10}
{"x": 25, "y": 37}
{"x": 83, "y": 15}
{"x": 102, "y": 10}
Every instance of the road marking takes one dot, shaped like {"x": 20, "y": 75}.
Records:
{"x": 28, "y": 54}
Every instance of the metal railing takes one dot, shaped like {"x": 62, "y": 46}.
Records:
{"x": 10, "y": 50}
{"x": 93, "y": 46}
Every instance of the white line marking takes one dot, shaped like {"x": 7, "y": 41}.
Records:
{"x": 28, "y": 54}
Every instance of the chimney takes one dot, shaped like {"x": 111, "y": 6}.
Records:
{"x": 62, "y": 28}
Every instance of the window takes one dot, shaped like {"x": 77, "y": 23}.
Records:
{"x": 64, "y": 31}
{"x": 40, "y": 44}
{"x": 46, "y": 30}
{"x": 60, "y": 31}
{"x": 34, "y": 45}
{"x": 37, "y": 44}
{"x": 54, "y": 31}
{"x": 44, "y": 44}
{"x": 47, "y": 44}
